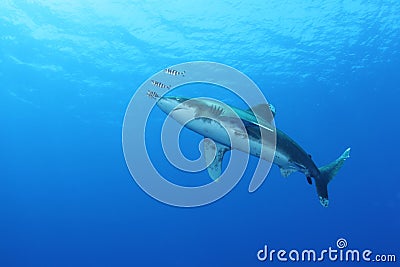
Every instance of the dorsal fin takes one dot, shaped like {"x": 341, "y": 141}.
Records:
{"x": 213, "y": 154}
{"x": 261, "y": 110}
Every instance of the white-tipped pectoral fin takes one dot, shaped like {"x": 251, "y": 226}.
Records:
{"x": 213, "y": 155}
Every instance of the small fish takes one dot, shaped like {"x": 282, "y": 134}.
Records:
{"x": 152, "y": 94}
{"x": 174, "y": 72}
{"x": 159, "y": 84}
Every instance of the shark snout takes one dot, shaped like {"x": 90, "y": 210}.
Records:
{"x": 172, "y": 104}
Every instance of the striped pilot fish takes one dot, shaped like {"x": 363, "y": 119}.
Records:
{"x": 160, "y": 84}
{"x": 174, "y": 72}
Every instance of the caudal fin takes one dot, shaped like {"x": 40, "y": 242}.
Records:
{"x": 327, "y": 174}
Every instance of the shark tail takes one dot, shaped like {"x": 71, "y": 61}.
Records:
{"x": 327, "y": 173}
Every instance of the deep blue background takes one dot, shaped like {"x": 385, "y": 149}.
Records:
{"x": 68, "y": 70}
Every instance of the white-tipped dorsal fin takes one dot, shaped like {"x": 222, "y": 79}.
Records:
{"x": 261, "y": 111}
{"x": 286, "y": 172}
{"x": 213, "y": 155}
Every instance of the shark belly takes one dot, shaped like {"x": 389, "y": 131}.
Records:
{"x": 230, "y": 137}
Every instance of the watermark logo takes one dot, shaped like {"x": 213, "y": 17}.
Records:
{"x": 341, "y": 253}
{"x": 341, "y": 243}
{"x": 191, "y": 112}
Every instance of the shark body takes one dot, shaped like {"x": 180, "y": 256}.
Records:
{"x": 250, "y": 131}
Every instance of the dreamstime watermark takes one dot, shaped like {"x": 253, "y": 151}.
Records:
{"x": 339, "y": 253}
{"x": 156, "y": 87}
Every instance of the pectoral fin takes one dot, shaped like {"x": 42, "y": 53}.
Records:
{"x": 213, "y": 154}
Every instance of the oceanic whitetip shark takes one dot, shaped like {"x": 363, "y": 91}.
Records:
{"x": 205, "y": 116}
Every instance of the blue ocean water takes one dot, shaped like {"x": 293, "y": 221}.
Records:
{"x": 68, "y": 70}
